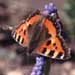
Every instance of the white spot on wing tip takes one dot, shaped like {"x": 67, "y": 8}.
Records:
{"x": 62, "y": 56}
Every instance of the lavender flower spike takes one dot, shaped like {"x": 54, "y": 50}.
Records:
{"x": 39, "y": 66}
{"x": 49, "y": 8}
{"x": 38, "y": 69}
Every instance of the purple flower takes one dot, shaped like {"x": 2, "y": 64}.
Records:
{"x": 39, "y": 66}
{"x": 49, "y": 8}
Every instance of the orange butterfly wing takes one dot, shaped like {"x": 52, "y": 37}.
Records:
{"x": 21, "y": 33}
{"x": 54, "y": 46}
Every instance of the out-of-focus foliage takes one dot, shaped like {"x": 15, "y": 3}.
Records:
{"x": 69, "y": 8}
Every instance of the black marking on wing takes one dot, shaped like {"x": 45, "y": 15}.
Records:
{"x": 56, "y": 47}
{"x": 18, "y": 38}
{"x": 24, "y": 32}
{"x": 48, "y": 42}
{"x": 54, "y": 44}
{"x": 44, "y": 50}
{"x": 51, "y": 53}
{"x": 22, "y": 41}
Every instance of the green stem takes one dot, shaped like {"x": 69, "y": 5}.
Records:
{"x": 47, "y": 67}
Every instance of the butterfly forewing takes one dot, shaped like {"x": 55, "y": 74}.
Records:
{"x": 21, "y": 33}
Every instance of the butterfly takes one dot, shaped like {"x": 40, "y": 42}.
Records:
{"x": 43, "y": 34}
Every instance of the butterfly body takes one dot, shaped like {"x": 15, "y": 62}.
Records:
{"x": 42, "y": 34}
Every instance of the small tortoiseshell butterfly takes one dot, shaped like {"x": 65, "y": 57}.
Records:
{"x": 43, "y": 34}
